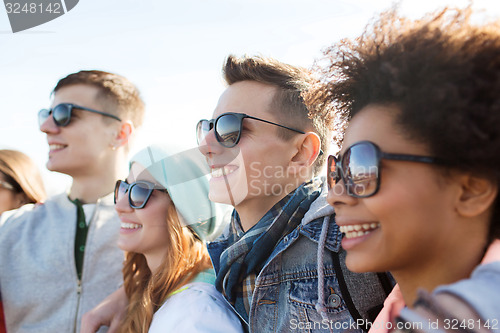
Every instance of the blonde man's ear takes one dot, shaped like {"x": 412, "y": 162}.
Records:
{"x": 308, "y": 149}
{"x": 124, "y": 134}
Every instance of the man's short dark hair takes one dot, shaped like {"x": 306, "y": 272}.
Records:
{"x": 119, "y": 94}
{"x": 287, "y": 105}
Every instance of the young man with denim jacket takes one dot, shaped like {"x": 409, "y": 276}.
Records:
{"x": 264, "y": 162}
{"x": 59, "y": 259}
{"x": 279, "y": 263}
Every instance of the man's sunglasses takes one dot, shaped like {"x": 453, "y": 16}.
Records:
{"x": 62, "y": 114}
{"x": 359, "y": 168}
{"x": 138, "y": 192}
{"x": 228, "y": 128}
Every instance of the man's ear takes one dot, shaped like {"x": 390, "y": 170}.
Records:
{"x": 308, "y": 148}
{"x": 124, "y": 133}
{"x": 477, "y": 195}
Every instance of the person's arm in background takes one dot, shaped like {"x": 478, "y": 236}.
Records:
{"x": 109, "y": 312}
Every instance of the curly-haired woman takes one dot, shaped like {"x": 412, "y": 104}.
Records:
{"x": 415, "y": 185}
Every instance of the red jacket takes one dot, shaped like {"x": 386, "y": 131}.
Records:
{"x": 2, "y": 320}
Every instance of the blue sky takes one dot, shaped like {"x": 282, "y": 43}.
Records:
{"x": 172, "y": 50}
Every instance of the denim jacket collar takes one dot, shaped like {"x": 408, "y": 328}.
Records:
{"x": 310, "y": 227}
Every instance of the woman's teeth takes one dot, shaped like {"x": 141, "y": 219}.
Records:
{"x": 130, "y": 225}
{"x": 358, "y": 230}
{"x": 219, "y": 172}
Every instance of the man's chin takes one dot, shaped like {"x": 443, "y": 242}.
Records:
{"x": 55, "y": 168}
{"x": 227, "y": 192}
{"x": 223, "y": 198}
{"x": 226, "y": 197}
{"x": 50, "y": 166}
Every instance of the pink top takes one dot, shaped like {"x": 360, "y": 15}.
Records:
{"x": 394, "y": 302}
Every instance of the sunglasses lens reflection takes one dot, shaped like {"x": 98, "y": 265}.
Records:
{"x": 228, "y": 130}
{"x": 120, "y": 190}
{"x": 332, "y": 171}
{"x": 202, "y": 130}
{"x": 62, "y": 114}
{"x": 138, "y": 194}
{"x": 42, "y": 116}
{"x": 360, "y": 164}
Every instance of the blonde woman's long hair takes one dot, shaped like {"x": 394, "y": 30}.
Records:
{"x": 185, "y": 257}
{"x": 22, "y": 173}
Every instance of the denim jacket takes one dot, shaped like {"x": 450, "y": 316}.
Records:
{"x": 288, "y": 288}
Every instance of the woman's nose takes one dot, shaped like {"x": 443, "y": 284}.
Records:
{"x": 337, "y": 195}
{"x": 122, "y": 205}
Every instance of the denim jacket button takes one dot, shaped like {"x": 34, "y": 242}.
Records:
{"x": 334, "y": 301}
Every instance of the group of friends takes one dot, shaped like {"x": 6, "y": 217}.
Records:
{"x": 248, "y": 232}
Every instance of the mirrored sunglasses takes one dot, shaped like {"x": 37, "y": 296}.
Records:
{"x": 138, "y": 192}
{"x": 227, "y": 128}
{"x": 62, "y": 114}
{"x": 359, "y": 168}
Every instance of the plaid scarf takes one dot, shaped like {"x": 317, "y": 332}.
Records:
{"x": 242, "y": 261}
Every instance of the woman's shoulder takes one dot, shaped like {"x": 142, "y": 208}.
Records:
{"x": 199, "y": 295}
{"x": 480, "y": 291}
{"x": 196, "y": 307}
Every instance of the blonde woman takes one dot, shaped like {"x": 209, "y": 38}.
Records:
{"x": 20, "y": 183}
{"x": 20, "y": 180}
{"x": 166, "y": 217}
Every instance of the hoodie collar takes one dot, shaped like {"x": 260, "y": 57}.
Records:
{"x": 312, "y": 223}
{"x": 319, "y": 207}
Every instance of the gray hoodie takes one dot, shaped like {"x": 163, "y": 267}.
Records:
{"x": 39, "y": 286}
